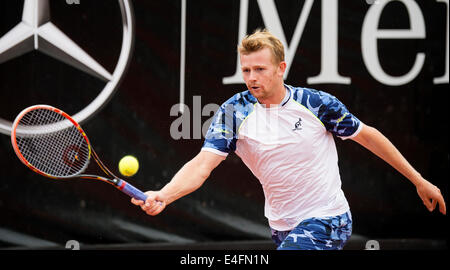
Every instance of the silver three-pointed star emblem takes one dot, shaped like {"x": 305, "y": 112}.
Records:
{"x": 37, "y": 32}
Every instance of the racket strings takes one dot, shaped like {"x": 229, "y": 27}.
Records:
{"x": 52, "y": 144}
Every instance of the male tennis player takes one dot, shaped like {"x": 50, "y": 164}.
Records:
{"x": 284, "y": 134}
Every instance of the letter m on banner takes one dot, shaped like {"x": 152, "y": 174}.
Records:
{"x": 329, "y": 72}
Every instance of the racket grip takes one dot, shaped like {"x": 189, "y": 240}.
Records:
{"x": 131, "y": 191}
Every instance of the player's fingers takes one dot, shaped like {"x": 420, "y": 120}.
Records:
{"x": 427, "y": 203}
{"x": 442, "y": 207}
{"x": 438, "y": 199}
{"x": 150, "y": 202}
{"x": 156, "y": 208}
{"x": 136, "y": 202}
{"x": 154, "y": 204}
{"x": 424, "y": 194}
{"x": 147, "y": 203}
{"x": 432, "y": 205}
{"x": 148, "y": 206}
{"x": 144, "y": 207}
{"x": 431, "y": 195}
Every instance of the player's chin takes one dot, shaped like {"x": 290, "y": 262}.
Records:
{"x": 257, "y": 93}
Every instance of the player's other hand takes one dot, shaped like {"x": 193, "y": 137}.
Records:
{"x": 154, "y": 204}
{"x": 431, "y": 195}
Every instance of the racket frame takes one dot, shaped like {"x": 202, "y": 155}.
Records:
{"x": 16, "y": 147}
{"x": 117, "y": 182}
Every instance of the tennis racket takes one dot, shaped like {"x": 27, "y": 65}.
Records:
{"x": 51, "y": 143}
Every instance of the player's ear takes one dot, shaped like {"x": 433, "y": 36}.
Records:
{"x": 282, "y": 68}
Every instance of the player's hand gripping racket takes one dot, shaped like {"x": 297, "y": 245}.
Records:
{"x": 51, "y": 143}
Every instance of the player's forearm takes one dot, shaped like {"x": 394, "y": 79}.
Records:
{"x": 378, "y": 144}
{"x": 188, "y": 179}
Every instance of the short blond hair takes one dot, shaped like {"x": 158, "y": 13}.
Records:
{"x": 259, "y": 40}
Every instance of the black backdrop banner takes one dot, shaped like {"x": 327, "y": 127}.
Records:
{"x": 386, "y": 60}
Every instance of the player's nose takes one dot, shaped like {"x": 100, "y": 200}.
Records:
{"x": 252, "y": 76}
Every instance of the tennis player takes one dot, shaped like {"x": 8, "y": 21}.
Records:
{"x": 284, "y": 134}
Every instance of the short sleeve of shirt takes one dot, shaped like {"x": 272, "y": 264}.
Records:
{"x": 221, "y": 136}
{"x": 331, "y": 112}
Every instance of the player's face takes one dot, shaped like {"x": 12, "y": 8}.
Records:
{"x": 261, "y": 75}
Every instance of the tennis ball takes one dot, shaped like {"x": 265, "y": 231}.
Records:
{"x": 128, "y": 165}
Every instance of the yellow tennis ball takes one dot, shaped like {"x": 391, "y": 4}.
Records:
{"x": 128, "y": 165}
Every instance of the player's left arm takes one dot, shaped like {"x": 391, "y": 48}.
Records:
{"x": 377, "y": 143}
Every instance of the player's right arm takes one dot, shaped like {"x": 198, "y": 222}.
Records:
{"x": 188, "y": 179}
{"x": 220, "y": 140}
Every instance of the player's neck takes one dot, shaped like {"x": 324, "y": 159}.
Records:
{"x": 275, "y": 99}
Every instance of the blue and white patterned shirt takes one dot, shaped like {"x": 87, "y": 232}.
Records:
{"x": 289, "y": 148}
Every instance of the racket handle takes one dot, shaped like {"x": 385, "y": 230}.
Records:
{"x": 131, "y": 191}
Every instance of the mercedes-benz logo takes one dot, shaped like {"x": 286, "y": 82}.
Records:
{"x": 37, "y": 32}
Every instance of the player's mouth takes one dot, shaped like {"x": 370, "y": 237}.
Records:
{"x": 255, "y": 88}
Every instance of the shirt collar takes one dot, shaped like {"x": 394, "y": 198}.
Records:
{"x": 286, "y": 98}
